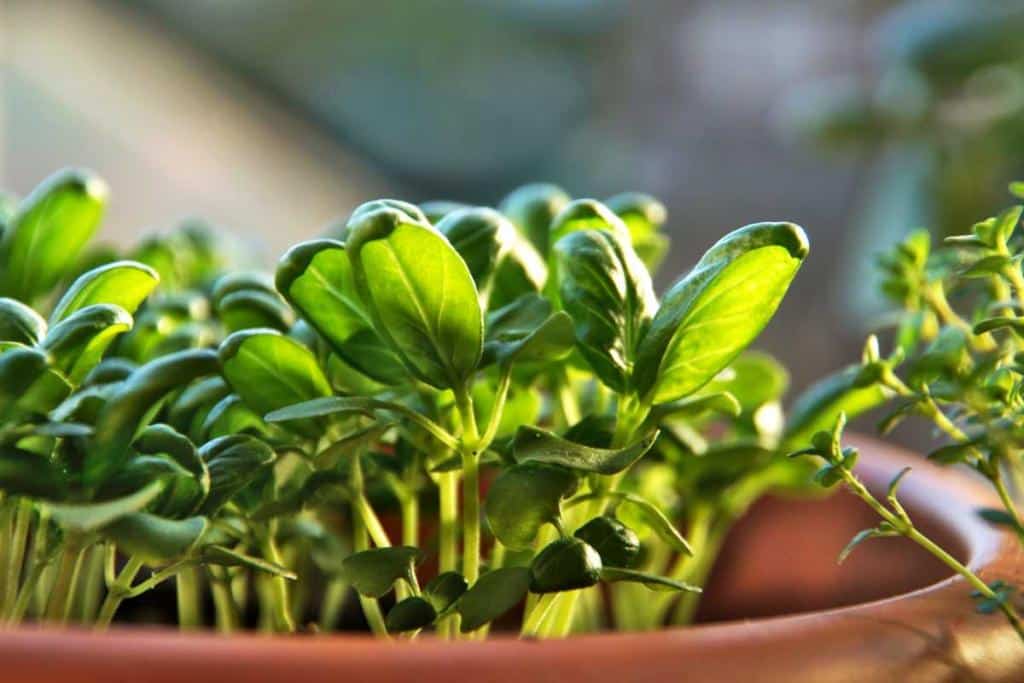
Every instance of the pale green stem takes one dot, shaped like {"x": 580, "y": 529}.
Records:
{"x": 59, "y": 604}
{"x": 16, "y": 557}
{"x": 282, "y": 617}
{"x": 117, "y": 592}
{"x": 537, "y": 615}
{"x": 190, "y": 610}
{"x": 225, "y": 609}
{"x": 448, "y": 530}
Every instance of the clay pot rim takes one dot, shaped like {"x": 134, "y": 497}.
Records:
{"x": 787, "y": 645}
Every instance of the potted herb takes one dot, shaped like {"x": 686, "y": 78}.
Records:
{"x": 437, "y": 423}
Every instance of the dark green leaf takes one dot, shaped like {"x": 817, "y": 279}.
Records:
{"x": 374, "y": 572}
{"x": 77, "y": 343}
{"x": 536, "y": 445}
{"x": 564, "y": 565}
{"x": 523, "y": 498}
{"x": 226, "y": 557}
{"x": 86, "y": 517}
{"x": 233, "y": 462}
{"x": 153, "y": 538}
{"x": 410, "y": 614}
{"x": 617, "y": 544}
{"x": 651, "y": 581}
{"x": 531, "y": 208}
{"x": 495, "y": 593}
{"x": 24, "y": 473}
{"x": 20, "y": 323}
{"x": 818, "y": 406}
{"x": 445, "y": 589}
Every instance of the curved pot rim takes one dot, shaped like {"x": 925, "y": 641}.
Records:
{"x": 931, "y": 629}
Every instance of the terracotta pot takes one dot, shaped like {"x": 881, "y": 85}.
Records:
{"x": 888, "y": 614}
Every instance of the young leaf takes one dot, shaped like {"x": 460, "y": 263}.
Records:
{"x": 246, "y": 309}
{"x": 20, "y": 368}
{"x": 78, "y": 342}
{"x": 550, "y": 341}
{"x": 24, "y": 473}
{"x": 536, "y": 445}
{"x": 20, "y": 323}
{"x": 564, "y": 565}
{"x": 862, "y": 536}
{"x": 125, "y": 284}
{"x": 608, "y": 293}
{"x": 643, "y": 215}
{"x": 153, "y": 538}
{"x": 231, "y": 415}
{"x": 373, "y": 572}
{"x": 651, "y": 581}
{"x": 270, "y": 371}
{"x": 717, "y": 310}
{"x": 86, "y": 517}
{"x": 420, "y": 293}
{"x": 410, "y": 614}
{"x": 523, "y": 498}
{"x": 616, "y": 543}
{"x": 654, "y": 519}
{"x": 444, "y": 590}
{"x": 44, "y": 238}
{"x": 494, "y": 593}
{"x": 531, "y": 208}
{"x": 233, "y": 462}
{"x": 131, "y": 407}
{"x": 316, "y": 279}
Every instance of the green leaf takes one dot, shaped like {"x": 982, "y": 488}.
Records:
{"x": 24, "y": 473}
{"x": 536, "y": 445}
{"x": 722, "y": 403}
{"x": 373, "y": 572}
{"x": 231, "y": 415}
{"x": 754, "y": 379}
{"x": 226, "y": 557}
{"x": 420, "y": 293}
{"x": 316, "y": 278}
{"x": 410, "y": 614}
{"x": 564, "y": 565}
{"x": 20, "y": 368}
{"x": 654, "y": 519}
{"x": 644, "y": 216}
{"x": 77, "y": 343}
{"x": 20, "y": 323}
{"x": 550, "y": 341}
{"x": 531, "y": 208}
{"x": 125, "y": 284}
{"x": 718, "y": 309}
{"x": 191, "y": 406}
{"x": 43, "y": 240}
{"x": 233, "y": 462}
{"x": 616, "y": 543}
{"x": 270, "y": 371}
{"x": 608, "y": 293}
{"x": 445, "y": 589}
{"x": 494, "y": 593}
{"x": 651, "y": 581}
{"x": 132, "y": 407}
{"x": 817, "y": 408}
{"x": 86, "y": 517}
{"x": 247, "y": 309}
{"x": 153, "y": 538}
{"x": 523, "y": 498}
{"x": 165, "y": 440}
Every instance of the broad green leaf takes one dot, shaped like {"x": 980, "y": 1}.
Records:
{"x": 20, "y": 323}
{"x": 608, "y": 293}
{"x": 655, "y": 583}
{"x": 125, "y": 284}
{"x": 155, "y": 539}
{"x": 86, "y": 517}
{"x": 718, "y": 309}
{"x": 24, "y": 473}
{"x": 551, "y": 340}
{"x": 587, "y": 214}
{"x": 420, "y": 293}
{"x": 226, "y": 557}
{"x": 109, "y": 370}
{"x": 616, "y": 543}
{"x": 444, "y": 590}
{"x": 644, "y": 216}
{"x": 436, "y": 209}
{"x": 374, "y": 572}
{"x": 270, "y": 371}
{"x": 132, "y": 407}
{"x": 44, "y": 238}
{"x": 536, "y": 445}
{"x": 246, "y": 309}
{"x": 531, "y": 209}
{"x": 722, "y": 402}
{"x": 161, "y": 439}
{"x": 191, "y": 406}
{"x": 817, "y": 408}
{"x": 523, "y": 498}
{"x": 564, "y": 565}
{"x": 77, "y": 343}
{"x": 410, "y": 614}
{"x": 316, "y": 278}
{"x": 231, "y": 415}
{"x": 233, "y": 462}
{"x": 494, "y": 593}
{"x": 753, "y": 379}
{"x": 654, "y": 519}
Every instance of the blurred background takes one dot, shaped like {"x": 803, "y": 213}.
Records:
{"x": 859, "y": 119}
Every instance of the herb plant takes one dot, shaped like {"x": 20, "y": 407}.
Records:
{"x": 451, "y": 415}
{"x": 957, "y": 363}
